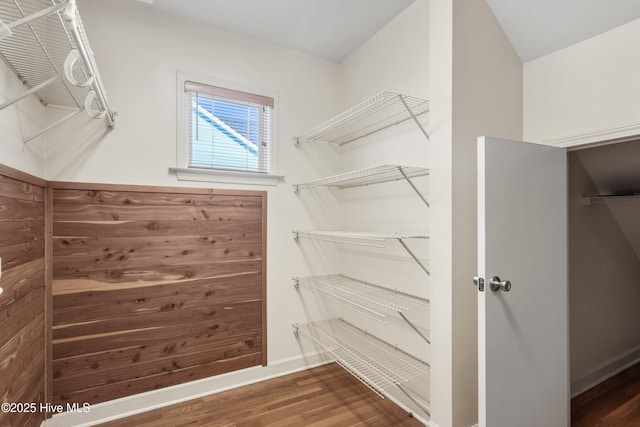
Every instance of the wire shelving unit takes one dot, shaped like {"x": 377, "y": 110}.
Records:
{"x": 44, "y": 43}
{"x": 370, "y": 299}
{"x": 379, "y": 112}
{"x": 374, "y": 301}
{"x": 369, "y": 176}
{"x": 376, "y": 240}
{"x": 376, "y": 363}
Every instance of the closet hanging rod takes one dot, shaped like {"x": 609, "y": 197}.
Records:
{"x": 601, "y": 199}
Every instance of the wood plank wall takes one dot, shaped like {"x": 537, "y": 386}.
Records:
{"x": 154, "y": 287}
{"x": 22, "y": 304}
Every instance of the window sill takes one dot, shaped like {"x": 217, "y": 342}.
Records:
{"x": 227, "y": 177}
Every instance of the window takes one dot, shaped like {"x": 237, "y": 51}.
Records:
{"x": 227, "y": 129}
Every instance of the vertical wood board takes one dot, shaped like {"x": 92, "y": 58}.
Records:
{"x": 22, "y": 320}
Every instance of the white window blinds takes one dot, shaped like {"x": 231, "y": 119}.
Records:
{"x": 227, "y": 129}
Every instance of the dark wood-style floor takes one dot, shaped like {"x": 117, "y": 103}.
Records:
{"x": 329, "y": 396}
{"x": 614, "y": 403}
{"x": 324, "y": 396}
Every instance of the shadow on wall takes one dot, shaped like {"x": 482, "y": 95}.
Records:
{"x": 69, "y": 145}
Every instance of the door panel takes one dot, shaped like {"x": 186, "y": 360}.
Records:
{"x": 522, "y": 238}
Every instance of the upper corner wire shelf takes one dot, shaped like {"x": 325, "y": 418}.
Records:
{"x": 370, "y": 176}
{"x": 379, "y": 112}
{"x": 44, "y": 43}
{"x": 376, "y": 363}
{"x": 376, "y": 240}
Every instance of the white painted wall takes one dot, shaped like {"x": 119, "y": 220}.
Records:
{"x": 476, "y": 89}
{"x": 139, "y": 51}
{"x": 17, "y": 122}
{"x": 592, "y": 85}
{"x": 604, "y": 272}
{"x": 375, "y": 67}
{"x": 396, "y": 59}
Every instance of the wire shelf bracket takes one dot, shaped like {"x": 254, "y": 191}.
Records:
{"x": 46, "y": 46}
{"x": 376, "y": 363}
{"x": 363, "y": 239}
{"x": 377, "y": 113}
{"x": 373, "y": 301}
{"x": 369, "y": 176}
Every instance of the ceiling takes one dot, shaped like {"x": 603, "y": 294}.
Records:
{"x": 332, "y": 29}
{"x": 539, "y": 27}
{"x": 329, "y": 29}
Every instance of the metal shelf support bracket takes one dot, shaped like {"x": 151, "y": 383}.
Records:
{"x": 413, "y": 116}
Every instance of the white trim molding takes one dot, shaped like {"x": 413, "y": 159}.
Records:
{"x": 227, "y": 177}
{"x": 618, "y": 133}
{"x": 432, "y": 424}
{"x": 604, "y": 371}
{"x": 181, "y": 123}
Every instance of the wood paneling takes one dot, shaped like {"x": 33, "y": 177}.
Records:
{"x": 153, "y": 287}
{"x": 324, "y": 396}
{"x": 22, "y": 320}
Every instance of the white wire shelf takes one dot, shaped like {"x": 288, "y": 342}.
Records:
{"x": 375, "y": 240}
{"x": 369, "y": 176}
{"x": 44, "y": 43}
{"x": 376, "y": 363}
{"x": 373, "y": 115}
{"x": 374, "y": 301}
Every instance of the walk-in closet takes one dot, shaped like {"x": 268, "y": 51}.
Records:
{"x": 318, "y": 212}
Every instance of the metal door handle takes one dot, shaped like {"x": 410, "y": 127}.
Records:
{"x": 498, "y": 285}
{"x": 479, "y": 282}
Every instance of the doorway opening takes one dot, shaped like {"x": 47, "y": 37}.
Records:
{"x": 604, "y": 284}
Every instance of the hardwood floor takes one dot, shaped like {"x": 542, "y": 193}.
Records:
{"x": 614, "y": 403}
{"x": 324, "y": 396}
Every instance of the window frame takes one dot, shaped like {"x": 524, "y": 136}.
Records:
{"x": 186, "y": 173}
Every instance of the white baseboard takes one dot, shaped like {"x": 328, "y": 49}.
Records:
{"x": 143, "y": 402}
{"x": 432, "y": 424}
{"x": 413, "y": 413}
{"x": 604, "y": 371}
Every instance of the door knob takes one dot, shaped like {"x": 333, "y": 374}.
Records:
{"x": 498, "y": 285}
{"x": 479, "y": 282}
